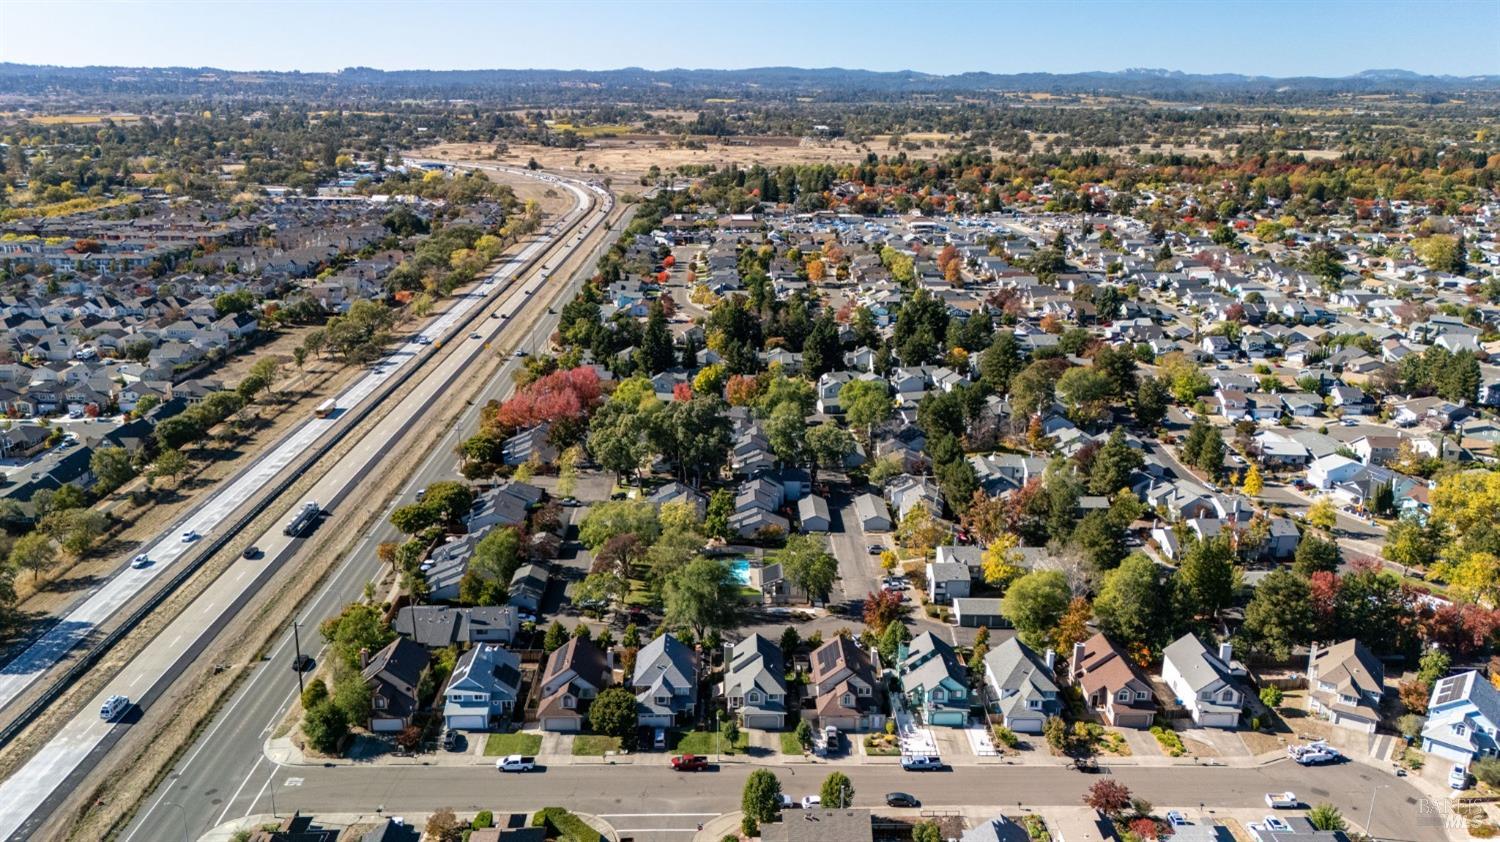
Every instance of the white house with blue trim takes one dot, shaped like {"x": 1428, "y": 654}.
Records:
{"x": 1462, "y": 718}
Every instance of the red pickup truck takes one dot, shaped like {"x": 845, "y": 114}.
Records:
{"x": 689, "y": 763}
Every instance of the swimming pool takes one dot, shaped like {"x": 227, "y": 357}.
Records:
{"x": 741, "y": 568}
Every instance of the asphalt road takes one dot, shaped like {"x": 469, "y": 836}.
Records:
{"x": 27, "y": 797}
{"x": 655, "y": 790}
{"x": 225, "y": 774}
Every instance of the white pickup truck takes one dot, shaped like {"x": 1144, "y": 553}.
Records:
{"x": 1315, "y": 753}
{"x": 516, "y": 763}
{"x": 1282, "y": 800}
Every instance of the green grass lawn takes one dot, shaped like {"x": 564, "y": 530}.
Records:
{"x": 789, "y": 743}
{"x": 709, "y": 742}
{"x": 499, "y": 745}
{"x": 594, "y": 745}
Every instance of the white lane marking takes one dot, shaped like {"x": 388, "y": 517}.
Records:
{"x": 648, "y": 815}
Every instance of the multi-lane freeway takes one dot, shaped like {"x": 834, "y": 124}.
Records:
{"x": 28, "y": 795}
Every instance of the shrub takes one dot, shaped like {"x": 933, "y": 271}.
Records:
{"x": 316, "y": 692}
{"x": 564, "y": 825}
{"x": 1271, "y": 697}
{"x": 484, "y": 819}
{"x": 1483, "y": 830}
{"x": 1170, "y": 742}
{"x": 1006, "y": 737}
{"x": 1487, "y": 771}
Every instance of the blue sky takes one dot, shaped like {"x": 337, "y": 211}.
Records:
{"x": 1266, "y": 37}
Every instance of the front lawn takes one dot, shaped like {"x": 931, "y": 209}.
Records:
{"x": 711, "y": 742}
{"x": 500, "y": 745}
{"x": 789, "y": 743}
{"x": 882, "y": 745}
{"x": 594, "y": 745}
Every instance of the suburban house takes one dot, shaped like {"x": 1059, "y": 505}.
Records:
{"x": 998, "y": 829}
{"x": 392, "y": 674}
{"x": 812, "y": 513}
{"x": 1345, "y": 684}
{"x": 1021, "y": 687}
{"x": 975, "y": 611}
{"x": 820, "y": 825}
{"x": 755, "y": 683}
{"x": 1112, "y": 686}
{"x": 933, "y": 682}
{"x": 527, "y": 586}
{"x": 665, "y": 681}
{"x": 1462, "y": 717}
{"x": 946, "y": 581}
{"x": 844, "y": 686}
{"x": 483, "y": 688}
{"x": 1205, "y": 683}
{"x": 574, "y": 675}
{"x": 440, "y": 626}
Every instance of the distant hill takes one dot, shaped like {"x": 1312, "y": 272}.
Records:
{"x": 830, "y": 84}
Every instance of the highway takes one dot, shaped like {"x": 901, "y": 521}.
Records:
{"x": 170, "y": 549}
{"x": 41, "y": 781}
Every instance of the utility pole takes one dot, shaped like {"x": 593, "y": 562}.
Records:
{"x": 297, "y": 643}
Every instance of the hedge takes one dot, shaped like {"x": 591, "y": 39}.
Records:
{"x": 562, "y": 824}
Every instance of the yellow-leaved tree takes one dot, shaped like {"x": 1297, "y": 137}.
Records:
{"x": 1253, "y": 483}
{"x": 1001, "y": 562}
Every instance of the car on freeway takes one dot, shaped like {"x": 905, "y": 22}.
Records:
{"x": 921, "y": 762}
{"x": 302, "y": 662}
{"x": 140, "y": 561}
{"x": 252, "y": 551}
{"x": 190, "y": 536}
{"x": 474, "y": 336}
{"x": 113, "y": 707}
{"x": 901, "y": 799}
{"x": 690, "y": 763}
{"x": 521, "y": 352}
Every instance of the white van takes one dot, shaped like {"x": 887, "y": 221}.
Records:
{"x": 113, "y": 707}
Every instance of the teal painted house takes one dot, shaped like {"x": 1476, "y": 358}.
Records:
{"x": 933, "y": 681}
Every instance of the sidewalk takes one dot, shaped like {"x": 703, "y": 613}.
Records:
{"x": 343, "y": 821}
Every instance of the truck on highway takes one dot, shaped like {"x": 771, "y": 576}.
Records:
{"x": 325, "y": 408}
{"x": 303, "y": 519}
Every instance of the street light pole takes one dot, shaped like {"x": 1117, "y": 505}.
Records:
{"x": 1370, "y": 815}
{"x": 297, "y": 643}
{"x": 182, "y": 814}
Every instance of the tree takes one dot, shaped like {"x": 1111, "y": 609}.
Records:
{"x": 920, "y": 531}
{"x": 111, "y": 467}
{"x": 895, "y": 636}
{"x": 444, "y": 826}
{"x": 170, "y": 464}
{"x": 1151, "y": 402}
{"x": 1410, "y": 543}
{"x": 1432, "y": 666}
{"x": 1271, "y": 696}
{"x": 1113, "y": 465}
{"x": 556, "y": 637}
{"x": 786, "y": 432}
{"x": 1280, "y": 615}
{"x": 1001, "y": 561}
{"x": 829, "y": 445}
{"x": 809, "y": 566}
{"x": 703, "y": 595}
{"x": 1322, "y": 515}
{"x": 1410, "y": 725}
{"x": 881, "y": 609}
{"x": 656, "y": 354}
{"x": 926, "y": 831}
{"x": 1073, "y": 626}
{"x": 1326, "y": 817}
{"x": 1206, "y": 577}
{"x": 837, "y": 791}
{"x": 820, "y": 351}
{"x": 613, "y": 713}
{"x": 618, "y": 517}
{"x": 1253, "y": 483}
{"x": 761, "y": 798}
{"x": 33, "y": 551}
{"x": 1034, "y": 604}
{"x": 1314, "y": 555}
{"x": 360, "y": 627}
{"x": 1111, "y": 798}
{"x": 1101, "y": 539}
{"x": 1085, "y": 393}
{"x": 1129, "y": 606}
{"x": 866, "y": 403}
{"x": 325, "y": 727}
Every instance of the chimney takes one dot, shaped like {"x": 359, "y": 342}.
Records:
{"x": 1078, "y": 650}
{"x": 609, "y": 657}
{"x": 1051, "y": 660}
{"x": 1226, "y": 652}
{"x": 364, "y": 658}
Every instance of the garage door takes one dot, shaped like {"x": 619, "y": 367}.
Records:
{"x": 467, "y": 722}
{"x": 385, "y": 725}
{"x": 560, "y": 723}
{"x": 763, "y": 721}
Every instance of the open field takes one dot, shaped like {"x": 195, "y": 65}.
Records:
{"x": 632, "y": 155}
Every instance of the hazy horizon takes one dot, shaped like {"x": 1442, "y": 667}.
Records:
{"x": 1274, "y": 38}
